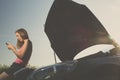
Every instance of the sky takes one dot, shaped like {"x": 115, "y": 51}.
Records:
{"x": 31, "y": 15}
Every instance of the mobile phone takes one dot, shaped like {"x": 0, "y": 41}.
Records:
{"x": 6, "y": 43}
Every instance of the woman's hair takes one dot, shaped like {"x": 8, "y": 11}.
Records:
{"x": 23, "y": 33}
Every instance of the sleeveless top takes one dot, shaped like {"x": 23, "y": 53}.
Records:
{"x": 24, "y": 60}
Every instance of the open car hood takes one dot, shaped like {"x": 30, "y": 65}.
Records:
{"x": 72, "y": 27}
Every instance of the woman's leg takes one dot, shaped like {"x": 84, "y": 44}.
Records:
{"x": 4, "y": 76}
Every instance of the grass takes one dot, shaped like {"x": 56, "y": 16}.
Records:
{"x": 3, "y": 68}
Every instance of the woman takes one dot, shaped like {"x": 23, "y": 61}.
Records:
{"x": 22, "y": 51}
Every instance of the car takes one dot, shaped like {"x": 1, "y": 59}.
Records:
{"x": 99, "y": 66}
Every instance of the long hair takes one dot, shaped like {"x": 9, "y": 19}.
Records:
{"x": 23, "y": 33}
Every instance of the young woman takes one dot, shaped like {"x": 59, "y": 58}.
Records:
{"x": 22, "y": 51}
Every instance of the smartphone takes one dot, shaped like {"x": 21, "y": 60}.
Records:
{"x": 6, "y": 43}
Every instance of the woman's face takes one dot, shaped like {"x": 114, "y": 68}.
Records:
{"x": 19, "y": 38}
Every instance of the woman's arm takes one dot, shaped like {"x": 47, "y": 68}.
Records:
{"x": 19, "y": 53}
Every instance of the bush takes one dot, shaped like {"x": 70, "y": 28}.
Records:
{"x": 31, "y": 68}
{"x": 3, "y": 68}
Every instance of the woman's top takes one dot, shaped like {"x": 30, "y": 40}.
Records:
{"x": 24, "y": 60}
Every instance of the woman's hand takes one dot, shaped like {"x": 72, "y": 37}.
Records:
{"x": 10, "y": 46}
{"x": 26, "y": 40}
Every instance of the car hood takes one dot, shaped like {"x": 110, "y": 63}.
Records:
{"x": 72, "y": 27}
